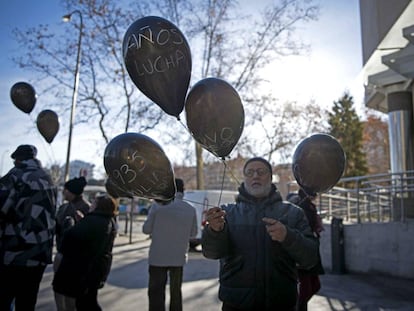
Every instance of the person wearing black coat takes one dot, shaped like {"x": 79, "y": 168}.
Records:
{"x": 87, "y": 255}
{"x": 309, "y": 282}
{"x": 260, "y": 240}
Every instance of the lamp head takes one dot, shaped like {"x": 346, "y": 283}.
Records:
{"x": 66, "y": 18}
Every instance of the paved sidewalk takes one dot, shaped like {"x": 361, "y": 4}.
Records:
{"x": 364, "y": 292}
{"x": 346, "y": 292}
{"x": 126, "y": 288}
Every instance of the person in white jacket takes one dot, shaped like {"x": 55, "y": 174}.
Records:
{"x": 171, "y": 225}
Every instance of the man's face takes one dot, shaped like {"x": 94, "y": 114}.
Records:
{"x": 257, "y": 179}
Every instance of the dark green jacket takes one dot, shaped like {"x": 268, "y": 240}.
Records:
{"x": 256, "y": 272}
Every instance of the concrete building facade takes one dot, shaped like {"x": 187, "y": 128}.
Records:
{"x": 387, "y": 33}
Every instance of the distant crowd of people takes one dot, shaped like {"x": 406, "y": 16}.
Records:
{"x": 268, "y": 247}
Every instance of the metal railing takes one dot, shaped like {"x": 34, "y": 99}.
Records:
{"x": 372, "y": 198}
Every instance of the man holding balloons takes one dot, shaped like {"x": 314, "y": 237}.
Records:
{"x": 260, "y": 240}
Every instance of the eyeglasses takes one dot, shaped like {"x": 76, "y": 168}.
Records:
{"x": 260, "y": 172}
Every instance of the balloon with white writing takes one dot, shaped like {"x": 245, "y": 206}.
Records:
{"x": 318, "y": 163}
{"x": 138, "y": 166}
{"x": 215, "y": 115}
{"x": 48, "y": 124}
{"x": 23, "y": 96}
{"x": 158, "y": 60}
{"x": 114, "y": 191}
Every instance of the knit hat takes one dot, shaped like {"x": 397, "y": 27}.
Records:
{"x": 24, "y": 152}
{"x": 76, "y": 185}
{"x": 260, "y": 160}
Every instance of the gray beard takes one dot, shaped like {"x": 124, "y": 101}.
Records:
{"x": 260, "y": 192}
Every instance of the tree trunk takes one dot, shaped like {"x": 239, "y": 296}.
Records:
{"x": 200, "y": 166}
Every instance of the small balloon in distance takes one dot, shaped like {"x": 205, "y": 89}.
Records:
{"x": 23, "y": 96}
{"x": 318, "y": 163}
{"x": 48, "y": 124}
{"x": 137, "y": 165}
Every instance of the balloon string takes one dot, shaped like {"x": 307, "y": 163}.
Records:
{"x": 196, "y": 202}
{"x": 184, "y": 126}
{"x": 224, "y": 162}
{"x": 222, "y": 181}
{"x": 234, "y": 177}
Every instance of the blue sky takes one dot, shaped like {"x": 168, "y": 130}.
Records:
{"x": 332, "y": 67}
{"x": 17, "y": 127}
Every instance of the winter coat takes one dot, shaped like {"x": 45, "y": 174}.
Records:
{"x": 171, "y": 226}
{"x": 86, "y": 255}
{"x": 66, "y": 217}
{"x": 255, "y": 271}
{"x": 27, "y": 215}
{"x": 316, "y": 225}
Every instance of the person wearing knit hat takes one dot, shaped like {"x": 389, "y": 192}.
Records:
{"x": 68, "y": 214}
{"x": 260, "y": 241}
{"x": 24, "y": 152}
{"x": 76, "y": 185}
{"x": 87, "y": 256}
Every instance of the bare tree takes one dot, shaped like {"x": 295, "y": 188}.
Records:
{"x": 107, "y": 98}
{"x": 226, "y": 43}
{"x": 235, "y": 46}
{"x": 275, "y": 129}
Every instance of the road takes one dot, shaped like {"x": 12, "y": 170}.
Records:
{"x": 126, "y": 288}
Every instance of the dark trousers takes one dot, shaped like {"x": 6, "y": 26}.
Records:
{"x": 309, "y": 285}
{"x": 21, "y": 284}
{"x": 227, "y": 307}
{"x": 156, "y": 288}
{"x": 88, "y": 302}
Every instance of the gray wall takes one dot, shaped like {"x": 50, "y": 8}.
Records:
{"x": 378, "y": 248}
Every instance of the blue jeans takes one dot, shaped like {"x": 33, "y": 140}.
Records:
{"x": 156, "y": 288}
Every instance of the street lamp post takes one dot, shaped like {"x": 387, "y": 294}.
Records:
{"x": 67, "y": 18}
{"x": 2, "y": 161}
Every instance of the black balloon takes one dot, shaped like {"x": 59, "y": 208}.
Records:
{"x": 318, "y": 163}
{"x": 115, "y": 191}
{"x": 48, "y": 124}
{"x": 215, "y": 115}
{"x": 137, "y": 165}
{"x": 158, "y": 60}
{"x": 23, "y": 96}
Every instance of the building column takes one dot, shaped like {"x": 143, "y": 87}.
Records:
{"x": 401, "y": 134}
{"x": 401, "y": 131}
